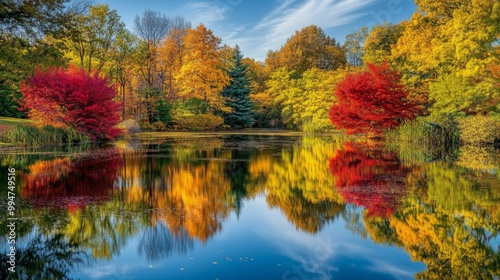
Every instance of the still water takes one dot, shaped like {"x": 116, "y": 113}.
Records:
{"x": 253, "y": 207}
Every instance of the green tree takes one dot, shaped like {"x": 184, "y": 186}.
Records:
{"x": 30, "y": 33}
{"x": 380, "y": 41}
{"x": 454, "y": 95}
{"x": 94, "y": 40}
{"x": 122, "y": 64}
{"x": 237, "y": 94}
{"x": 353, "y": 46}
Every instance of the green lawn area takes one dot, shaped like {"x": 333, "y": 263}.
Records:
{"x": 14, "y": 121}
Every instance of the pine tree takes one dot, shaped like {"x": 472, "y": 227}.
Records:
{"x": 237, "y": 94}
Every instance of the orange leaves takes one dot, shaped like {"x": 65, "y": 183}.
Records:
{"x": 202, "y": 75}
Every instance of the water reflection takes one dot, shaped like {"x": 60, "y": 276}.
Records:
{"x": 167, "y": 196}
{"x": 41, "y": 256}
{"x": 367, "y": 177}
{"x": 72, "y": 182}
{"x": 298, "y": 183}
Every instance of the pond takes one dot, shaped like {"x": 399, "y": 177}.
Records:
{"x": 252, "y": 207}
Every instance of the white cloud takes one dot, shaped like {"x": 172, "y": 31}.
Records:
{"x": 281, "y": 23}
{"x": 204, "y": 12}
{"x": 390, "y": 268}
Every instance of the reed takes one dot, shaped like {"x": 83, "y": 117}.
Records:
{"x": 423, "y": 141}
{"x": 31, "y": 136}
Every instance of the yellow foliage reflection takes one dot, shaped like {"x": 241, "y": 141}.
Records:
{"x": 449, "y": 223}
{"x": 190, "y": 196}
{"x": 299, "y": 183}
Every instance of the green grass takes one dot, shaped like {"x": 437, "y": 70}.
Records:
{"x": 27, "y": 135}
{"x": 14, "y": 121}
{"x": 422, "y": 141}
{"x": 23, "y": 132}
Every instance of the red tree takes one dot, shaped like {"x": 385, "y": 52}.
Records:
{"x": 73, "y": 98}
{"x": 371, "y": 101}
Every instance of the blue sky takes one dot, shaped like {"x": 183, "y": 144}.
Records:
{"x": 258, "y": 26}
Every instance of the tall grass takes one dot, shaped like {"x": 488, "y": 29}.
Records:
{"x": 34, "y": 136}
{"x": 422, "y": 141}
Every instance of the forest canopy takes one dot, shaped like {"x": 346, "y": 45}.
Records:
{"x": 168, "y": 74}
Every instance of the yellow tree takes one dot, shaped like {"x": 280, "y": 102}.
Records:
{"x": 380, "y": 41}
{"x": 304, "y": 99}
{"x": 308, "y": 48}
{"x": 202, "y": 74}
{"x": 258, "y": 75}
{"x": 171, "y": 51}
{"x": 446, "y": 42}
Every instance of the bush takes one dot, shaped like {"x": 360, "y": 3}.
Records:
{"x": 479, "y": 130}
{"x": 144, "y": 124}
{"x": 371, "y": 102}
{"x": 35, "y": 136}
{"x": 163, "y": 112}
{"x": 130, "y": 126}
{"x": 192, "y": 106}
{"x": 159, "y": 126}
{"x": 73, "y": 98}
{"x": 198, "y": 122}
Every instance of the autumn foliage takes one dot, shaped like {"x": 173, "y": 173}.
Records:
{"x": 371, "y": 101}
{"x": 73, "y": 98}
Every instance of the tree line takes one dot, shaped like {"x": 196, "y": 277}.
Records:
{"x": 441, "y": 64}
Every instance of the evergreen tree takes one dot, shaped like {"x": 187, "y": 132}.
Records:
{"x": 237, "y": 94}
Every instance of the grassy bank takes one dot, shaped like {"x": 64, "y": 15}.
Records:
{"x": 426, "y": 140}
{"x": 27, "y": 135}
{"x": 22, "y": 132}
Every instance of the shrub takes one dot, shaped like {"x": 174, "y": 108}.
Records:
{"x": 199, "y": 122}
{"x": 371, "y": 101}
{"x": 192, "y": 106}
{"x": 130, "y": 126}
{"x": 73, "y": 98}
{"x": 145, "y": 125}
{"x": 159, "y": 126}
{"x": 477, "y": 130}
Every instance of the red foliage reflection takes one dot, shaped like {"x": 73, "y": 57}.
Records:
{"x": 374, "y": 180}
{"x": 72, "y": 183}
